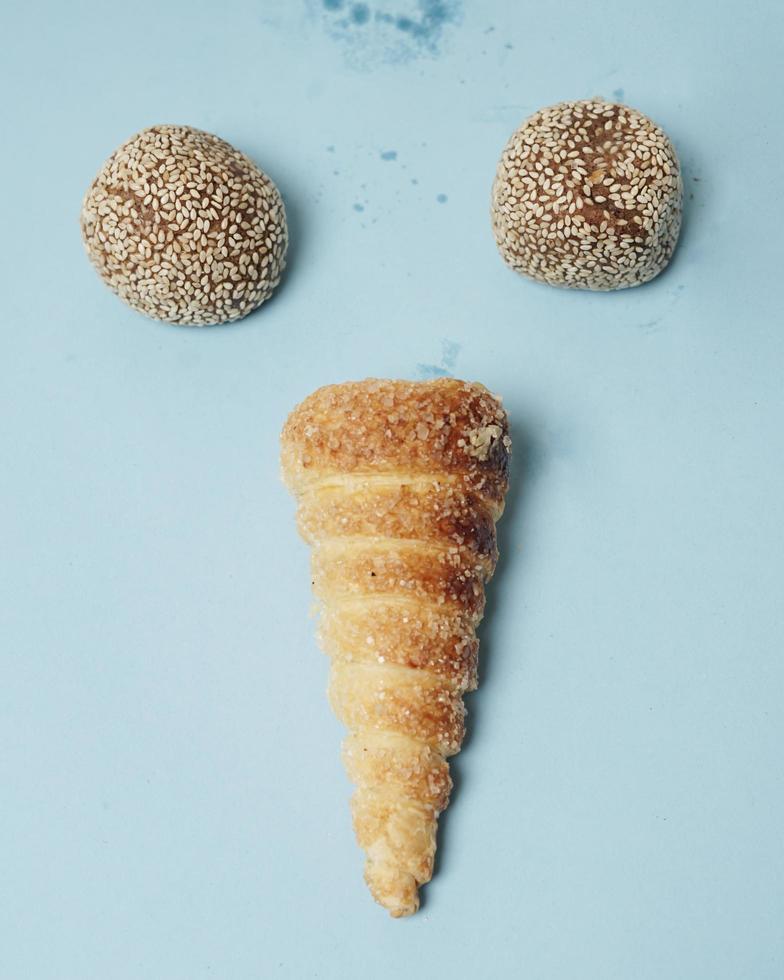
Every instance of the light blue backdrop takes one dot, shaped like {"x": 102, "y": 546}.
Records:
{"x": 172, "y": 803}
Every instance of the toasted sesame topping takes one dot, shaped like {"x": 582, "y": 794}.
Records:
{"x": 572, "y": 183}
{"x": 185, "y": 228}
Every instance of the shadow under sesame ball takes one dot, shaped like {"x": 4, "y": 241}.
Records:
{"x": 184, "y": 228}
{"x": 588, "y": 195}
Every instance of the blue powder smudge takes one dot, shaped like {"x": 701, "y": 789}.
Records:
{"x": 359, "y": 207}
{"x": 433, "y": 17}
{"x": 330, "y": 149}
{"x": 442, "y": 198}
{"x": 450, "y": 349}
{"x": 389, "y": 155}
{"x": 618, "y": 94}
{"x": 414, "y": 180}
{"x": 398, "y": 36}
{"x": 430, "y": 371}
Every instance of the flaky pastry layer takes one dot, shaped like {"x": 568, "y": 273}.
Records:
{"x": 399, "y": 485}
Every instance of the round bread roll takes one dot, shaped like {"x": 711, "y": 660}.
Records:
{"x": 588, "y": 195}
{"x": 185, "y": 228}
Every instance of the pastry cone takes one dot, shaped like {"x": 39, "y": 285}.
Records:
{"x": 399, "y": 485}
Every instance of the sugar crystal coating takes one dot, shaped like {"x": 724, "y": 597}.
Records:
{"x": 399, "y": 485}
{"x": 587, "y": 195}
{"x": 185, "y": 228}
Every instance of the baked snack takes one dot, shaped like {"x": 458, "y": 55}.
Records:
{"x": 399, "y": 485}
{"x": 588, "y": 195}
{"x": 185, "y": 228}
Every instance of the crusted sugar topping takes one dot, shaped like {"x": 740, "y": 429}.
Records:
{"x": 588, "y": 195}
{"x": 445, "y": 428}
{"x": 390, "y": 761}
{"x": 440, "y": 640}
{"x": 398, "y": 487}
{"x": 185, "y": 228}
{"x": 443, "y": 514}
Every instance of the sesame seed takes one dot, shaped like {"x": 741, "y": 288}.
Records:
{"x": 612, "y": 150}
{"x": 148, "y": 193}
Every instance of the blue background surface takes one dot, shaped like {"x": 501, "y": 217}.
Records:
{"x": 173, "y": 803}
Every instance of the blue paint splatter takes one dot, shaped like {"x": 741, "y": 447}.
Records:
{"x": 442, "y": 198}
{"x": 359, "y": 207}
{"x": 396, "y": 37}
{"x": 431, "y": 371}
{"x": 389, "y": 155}
{"x": 433, "y": 16}
{"x": 449, "y": 352}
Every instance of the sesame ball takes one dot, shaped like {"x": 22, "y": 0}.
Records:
{"x": 185, "y": 228}
{"x": 587, "y": 195}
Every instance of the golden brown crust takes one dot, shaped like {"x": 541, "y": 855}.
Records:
{"x": 434, "y": 512}
{"x": 387, "y": 761}
{"x": 441, "y": 641}
{"x": 390, "y": 699}
{"x": 399, "y": 485}
{"x": 396, "y": 833}
{"x": 399, "y": 839}
{"x": 380, "y": 427}
{"x": 457, "y": 577}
